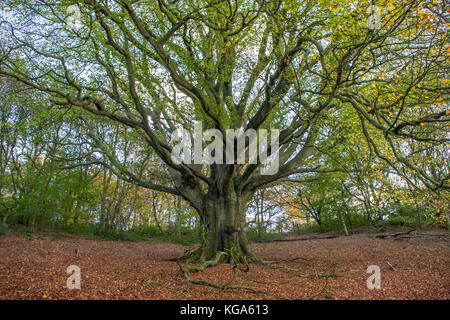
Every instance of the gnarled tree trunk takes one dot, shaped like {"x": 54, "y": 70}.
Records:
{"x": 223, "y": 216}
{"x": 224, "y": 222}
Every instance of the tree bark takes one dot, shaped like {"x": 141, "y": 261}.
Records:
{"x": 223, "y": 217}
{"x": 224, "y": 224}
{"x": 178, "y": 217}
{"x": 341, "y": 217}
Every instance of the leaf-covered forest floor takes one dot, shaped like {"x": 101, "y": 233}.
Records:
{"x": 411, "y": 268}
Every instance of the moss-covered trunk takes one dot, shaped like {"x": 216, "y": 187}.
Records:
{"x": 223, "y": 217}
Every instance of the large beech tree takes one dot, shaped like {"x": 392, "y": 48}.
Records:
{"x": 304, "y": 67}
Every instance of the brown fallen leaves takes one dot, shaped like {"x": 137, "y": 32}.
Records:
{"x": 329, "y": 269}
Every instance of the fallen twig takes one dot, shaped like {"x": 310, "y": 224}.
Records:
{"x": 394, "y": 235}
{"x": 298, "y": 239}
{"x": 391, "y": 266}
{"x": 287, "y": 260}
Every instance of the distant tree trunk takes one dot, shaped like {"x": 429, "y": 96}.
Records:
{"x": 419, "y": 215}
{"x": 259, "y": 213}
{"x": 5, "y": 217}
{"x": 319, "y": 223}
{"x": 347, "y": 216}
{"x": 447, "y": 214}
{"x": 349, "y": 220}
{"x": 316, "y": 216}
{"x": 341, "y": 217}
{"x": 76, "y": 212}
{"x": 178, "y": 217}
{"x": 368, "y": 215}
{"x": 155, "y": 216}
{"x": 107, "y": 176}
{"x": 368, "y": 220}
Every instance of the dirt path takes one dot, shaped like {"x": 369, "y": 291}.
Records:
{"x": 410, "y": 269}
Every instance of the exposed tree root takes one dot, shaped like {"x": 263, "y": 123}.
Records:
{"x": 261, "y": 282}
{"x": 233, "y": 255}
{"x": 190, "y": 256}
{"x": 286, "y": 260}
{"x": 324, "y": 288}
{"x": 219, "y": 258}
